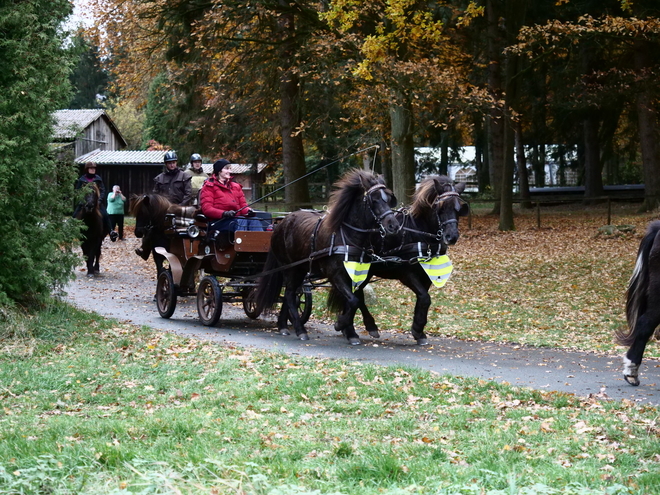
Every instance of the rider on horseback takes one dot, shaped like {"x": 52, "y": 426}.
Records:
{"x": 89, "y": 177}
{"x": 173, "y": 183}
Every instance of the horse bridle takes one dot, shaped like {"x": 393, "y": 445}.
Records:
{"x": 379, "y": 218}
{"x": 441, "y": 224}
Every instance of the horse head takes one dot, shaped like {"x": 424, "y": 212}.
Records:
{"x": 448, "y": 207}
{"x": 91, "y": 198}
{"x": 362, "y": 202}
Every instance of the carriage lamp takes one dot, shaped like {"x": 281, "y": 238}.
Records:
{"x": 193, "y": 231}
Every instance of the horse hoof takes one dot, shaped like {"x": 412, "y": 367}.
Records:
{"x": 90, "y": 274}
{"x": 374, "y": 333}
{"x": 423, "y": 341}
{"x": 284, "y": 331}
{"x": 633, "y": 380}
{"x": 303, "y": 336}
{"x": 354, "y": 341}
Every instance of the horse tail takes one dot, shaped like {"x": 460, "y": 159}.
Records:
{"x": 636, "y": 295}
{"x": 335, "y": 302}
{"x": 270, "y": 285}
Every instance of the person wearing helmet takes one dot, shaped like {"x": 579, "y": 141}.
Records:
{"x": 197, "y": 176}
{"x": 173, "y": 183}
{"x": 90, "y": 176}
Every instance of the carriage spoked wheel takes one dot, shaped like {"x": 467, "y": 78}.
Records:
{"x": 304, "y": 302}
{"x": 249, "y": 306}
{"x": 209, "y": 301}
{"x": 165, "y": 294}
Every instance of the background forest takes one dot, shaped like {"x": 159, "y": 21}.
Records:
{"x": 289, "y": 82}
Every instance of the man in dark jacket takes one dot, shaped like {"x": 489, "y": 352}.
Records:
{"x": 173, "y": 183}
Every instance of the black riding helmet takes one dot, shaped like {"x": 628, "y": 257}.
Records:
{"x": 195, "y": 157}
{"x": 170, "y": 156}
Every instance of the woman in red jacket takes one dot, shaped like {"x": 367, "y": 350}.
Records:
{"x": 222, "y": 199}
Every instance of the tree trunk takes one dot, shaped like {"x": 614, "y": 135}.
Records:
{"x": 403, "y": 150}
{"x": 293, "y": 153}
{"x": 521, "y": 162}
{"x": 495, "y": 124}
{"x": 649, "y": 136}
{"x": 593, "y": 178}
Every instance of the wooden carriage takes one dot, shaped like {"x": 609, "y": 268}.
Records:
{"x": 216, "y": 268}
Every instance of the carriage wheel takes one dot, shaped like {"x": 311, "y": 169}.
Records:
{"x": 304, "y": 302}
{"x": 165, "y": 294}
{"x": 250, "y": 307}
{"x": 209, "y": 301}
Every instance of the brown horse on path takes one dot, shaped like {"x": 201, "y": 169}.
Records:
{"x": 94, "y": 230}
{"x": 310, "y": 245}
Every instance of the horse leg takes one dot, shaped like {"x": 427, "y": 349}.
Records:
{"x": 344, "y": 323}
{"x": 97, "y": 259}
{"x": 291, "y": 286}
{"x": 644, "y": 329}
{"x": 367, "y": 318}
{"x": 420, "y": 286}
{"x": 283, "y": 320}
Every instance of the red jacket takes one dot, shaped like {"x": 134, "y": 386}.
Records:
{"x": 215, "y": 198}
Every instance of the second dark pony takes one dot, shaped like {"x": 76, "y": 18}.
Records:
{"x": 308, "y": 244}
{"x": 429, "y": 226}
{"x": 150, "y": 212}
{"x": 642, "y": 303}
{"x": 94, "y": 230}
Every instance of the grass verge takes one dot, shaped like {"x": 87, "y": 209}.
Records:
{"x": 92, "y": 406}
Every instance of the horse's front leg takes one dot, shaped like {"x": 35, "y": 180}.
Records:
{"x": 646, "y": 325}
{"x": 420, "y": 286}
{"x": 97, "y": 259}
{"x": 344, "y": 321}
{"x": 370, "y": 324}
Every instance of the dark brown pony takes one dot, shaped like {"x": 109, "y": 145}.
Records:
{"x": 428, "y": 227}
{"x": 642, "y": 303}
{"x": 310, "y": 245}
{"x": 94, "y": 230}
{"x": 150, "y": 212}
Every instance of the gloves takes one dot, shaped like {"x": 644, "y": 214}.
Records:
{"x": 229, "y": 214}
{"x": 250, "y": 212}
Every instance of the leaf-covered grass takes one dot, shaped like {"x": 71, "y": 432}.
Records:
{"x": 561, "y": 286}
{"x": 91, "y": 406}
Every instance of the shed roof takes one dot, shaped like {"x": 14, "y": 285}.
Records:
{"x": 127, "y": 157}
{"x": 68, "y": 123}
{"x": 123, "y": 157}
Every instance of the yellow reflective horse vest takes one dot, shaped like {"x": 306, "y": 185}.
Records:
{"x": 357, "y": 270}
{"x": 438, "y": 268}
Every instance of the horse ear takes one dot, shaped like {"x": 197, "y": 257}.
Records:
{"x": 393, "y": 201}
{"x": 463, "y": 208}
{"x": 439, "y": 187}
{"x": 460, "y": 187}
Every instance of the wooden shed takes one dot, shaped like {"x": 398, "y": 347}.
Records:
{"x": 83, "y": 131}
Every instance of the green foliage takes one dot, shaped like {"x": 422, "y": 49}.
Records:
{"x": 158, "y": 115}
{"x": 129, "y": 119}
{"x": 34, "y": 239}
{"x": 87, "y": 78}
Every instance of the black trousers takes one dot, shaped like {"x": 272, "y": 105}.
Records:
{"x": 117, "y": 221}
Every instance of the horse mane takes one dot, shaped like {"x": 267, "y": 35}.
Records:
{"x": 427, "y": 192}
{"x": 157, "y": 203}
{"x": 347, "y": 189}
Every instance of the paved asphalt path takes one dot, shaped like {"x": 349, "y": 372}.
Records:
{"x": 124, "y": 292}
